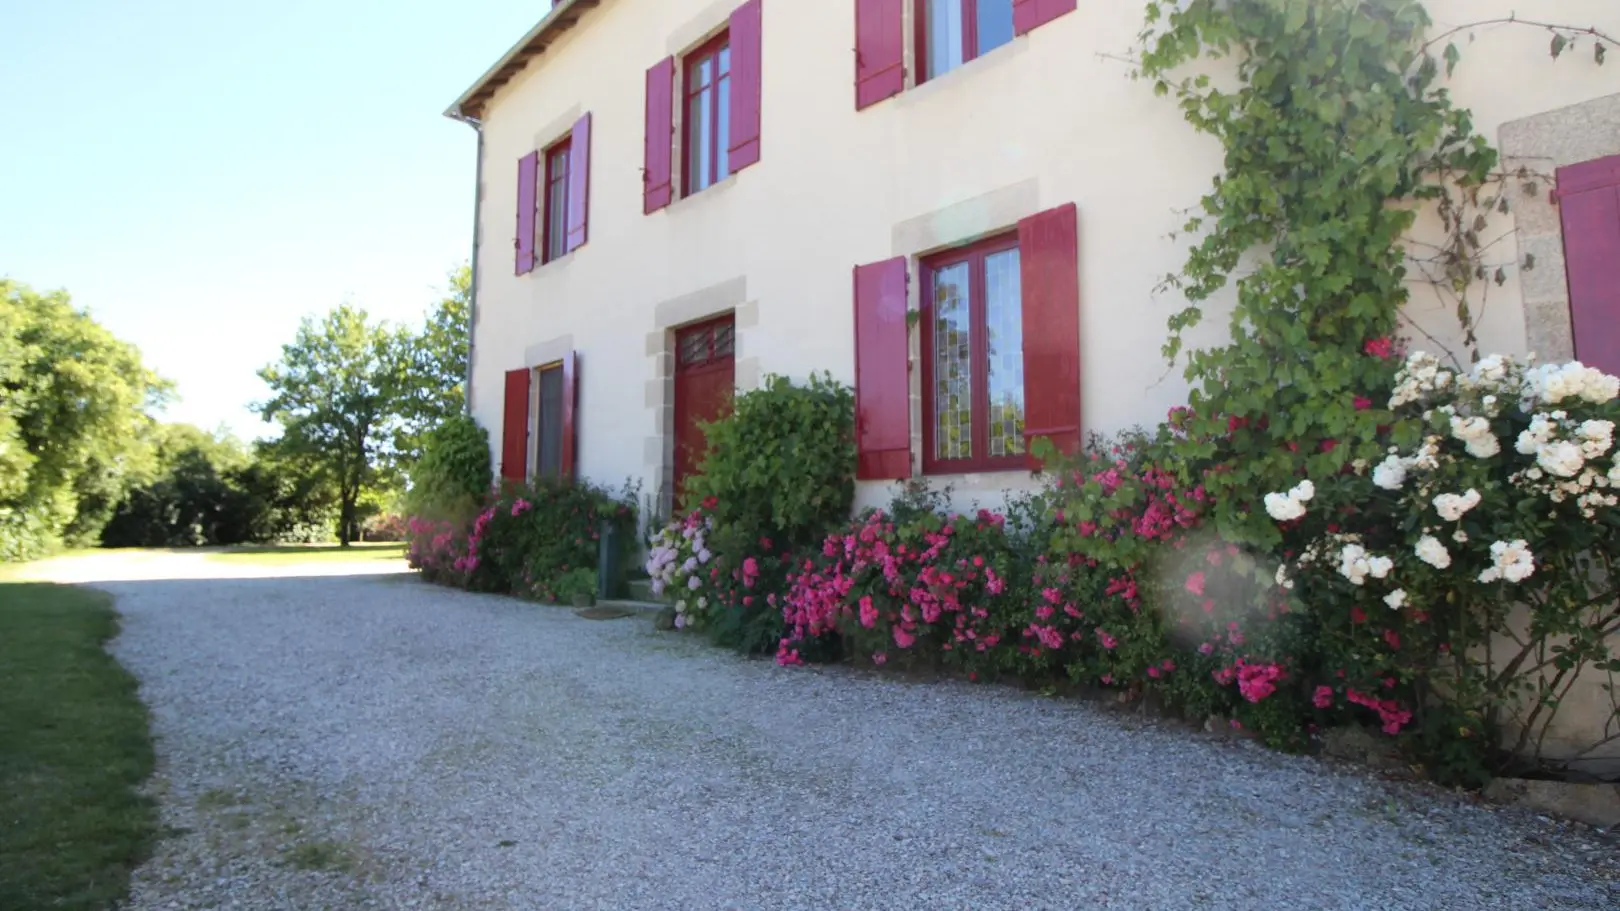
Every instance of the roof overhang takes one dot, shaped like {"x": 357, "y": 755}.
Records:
{"x": 565, "y": 15}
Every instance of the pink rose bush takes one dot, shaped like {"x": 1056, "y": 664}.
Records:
{"x": 522, "y": 540}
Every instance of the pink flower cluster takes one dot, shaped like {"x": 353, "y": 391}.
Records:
{"x": 1390, "y": 712}
{"x": 871, "y": 581}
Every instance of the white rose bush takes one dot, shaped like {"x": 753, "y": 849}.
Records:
{"x": 1461, "y": 585}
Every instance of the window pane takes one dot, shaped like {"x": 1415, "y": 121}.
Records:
{"x": 557, "y": 224}
{"x": 549, "y": 423}
{"x": 953, "y": 364}
{"x": 722, "y": 114}
{"x": 724, "y": 66}
{"x": 697, "y": 75}
{"x": 995, "y": 21}
{"x": 944, "y": 19}
{"x": 1004, "y": 345}
{"x": 697, "y": 132}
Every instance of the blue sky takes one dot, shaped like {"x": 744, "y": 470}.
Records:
{"x": 200, "y": 174}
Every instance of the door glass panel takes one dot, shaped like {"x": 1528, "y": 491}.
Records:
{"x": 995, "y": 22}
{"x": 1004, "y": 346}
{"x": 944, "y": 19}
{"x": 953, "y": 364}
{"x": 549, "y": 457}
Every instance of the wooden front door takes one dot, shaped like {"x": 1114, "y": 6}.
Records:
{"x": 705, "y": 381}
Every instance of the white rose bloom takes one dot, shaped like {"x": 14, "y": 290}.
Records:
{"x": 1601, "y": 388}
{"x": 1484, "y": 447}
{"x": 1303, "y": 491}
{"x": 1390, "y": 473}
{"x": 1597, "y": 437}
{"x": 1396, "y": 599}
{"x": 1561, "y": 458}
{"x": 1380, "y": 567}
{"x": 1460, "y": 536}
{"x": 1283, "y": 508}
{"x": 1614, "y": 473}
{"x": 1511, "y": 560}
{"x": 1431, "y": 551}
{"x": 1353, "y": 564}
{"x": 1452, "y": 507}
{"x": 1492, "y": 369}
{"x": 1282, "y": 576}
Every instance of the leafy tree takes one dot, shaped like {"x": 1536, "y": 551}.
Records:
{"x": 73, "y": 415}
{"x": 191, "y": 499}
{"x": 340, "y": 393}
{"x": 436, "y": 382}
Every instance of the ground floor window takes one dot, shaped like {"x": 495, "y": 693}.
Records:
{"x": 973, "y": 358}
{"x": 549, "y": 423}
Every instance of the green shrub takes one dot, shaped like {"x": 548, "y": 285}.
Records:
{"x": 581, "y": 581}
{"x": 453, "y": 476}
{"x": 778, "y": 475}
{"x": 529, "y": 539}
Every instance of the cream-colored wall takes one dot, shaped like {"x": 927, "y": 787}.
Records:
{"x": 1038, "y": 123}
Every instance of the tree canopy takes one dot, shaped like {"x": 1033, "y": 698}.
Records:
{"x": 73, "y": 421}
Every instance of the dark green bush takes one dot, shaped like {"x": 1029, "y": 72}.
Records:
{"x": 453, "y": 475}
{"x": 779, "y": 474}
{"x": 532, "y": 537}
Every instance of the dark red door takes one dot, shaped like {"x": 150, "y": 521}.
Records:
{"x": 705, "y": 381}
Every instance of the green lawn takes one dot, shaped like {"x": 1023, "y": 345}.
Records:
{"x": 74, "y": 746}
{"x": 291, "y": 554}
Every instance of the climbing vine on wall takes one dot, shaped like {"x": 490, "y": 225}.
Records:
{"x": 1337, "y": 130}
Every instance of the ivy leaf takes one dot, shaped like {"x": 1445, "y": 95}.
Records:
{"x": 1600, "y": 52}
{"x": 1559, "y": 42}
{"x": 1529, "y": 261}
{"x": 1453, "y": 56}
{"x": 1501, "y": 276}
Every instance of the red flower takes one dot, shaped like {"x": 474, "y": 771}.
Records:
{"x": 1382, "y": 348}
{"x": 1324, "y": 697}
{"x": 1363, "y": 403}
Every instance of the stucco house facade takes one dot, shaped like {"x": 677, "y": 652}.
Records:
{"x": 962, "y": 208}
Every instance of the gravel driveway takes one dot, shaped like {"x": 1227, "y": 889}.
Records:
{"x": 373, "y": 742}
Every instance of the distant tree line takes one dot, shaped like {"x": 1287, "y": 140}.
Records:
{"x": 86, "y": 460}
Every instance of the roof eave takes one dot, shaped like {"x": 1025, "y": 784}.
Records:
{"x": 469, "y": 108}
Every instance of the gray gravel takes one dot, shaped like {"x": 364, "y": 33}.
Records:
{"x": 378, "y": 743}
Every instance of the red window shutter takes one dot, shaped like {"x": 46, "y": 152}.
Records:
{"x": 570, "y": 424}
{"x": 579, "y": 183}
{"x": 879, "y": 51}
{"x": 657, "y": 177}
{"x": 882, "y": 377}
{"x": 528, "y": 188}
{"x": 1591, "y": 216}
{"x": 1049, "y": 257}
{"x": 747, "y": 67}
{"x": 515, "y": 427}
{"x": 1029, "y": 15}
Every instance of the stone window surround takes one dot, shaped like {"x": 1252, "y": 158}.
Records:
{"x": 1541, "y": 144}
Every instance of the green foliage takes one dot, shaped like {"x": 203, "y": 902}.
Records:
{"x": 527, "y": 540}
{"x": 1337, "y": 129}
{"x": 210, "y": 489}
{"x": 580, "y": 581}
{"x": 783, "y": 461}
{"x": 453, "y": 474}
{"x": 339, "y": 393}
{"x": 435, "y": 388}
{"x": 779, "y": 474}
{"x": 73, "y": 402}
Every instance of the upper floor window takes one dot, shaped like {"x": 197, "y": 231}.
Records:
{"x": 555, "y": 219}
{"x": 973, "y": 358}
{"x": 952, "y": 32}
{"x": 707, "y": 114}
